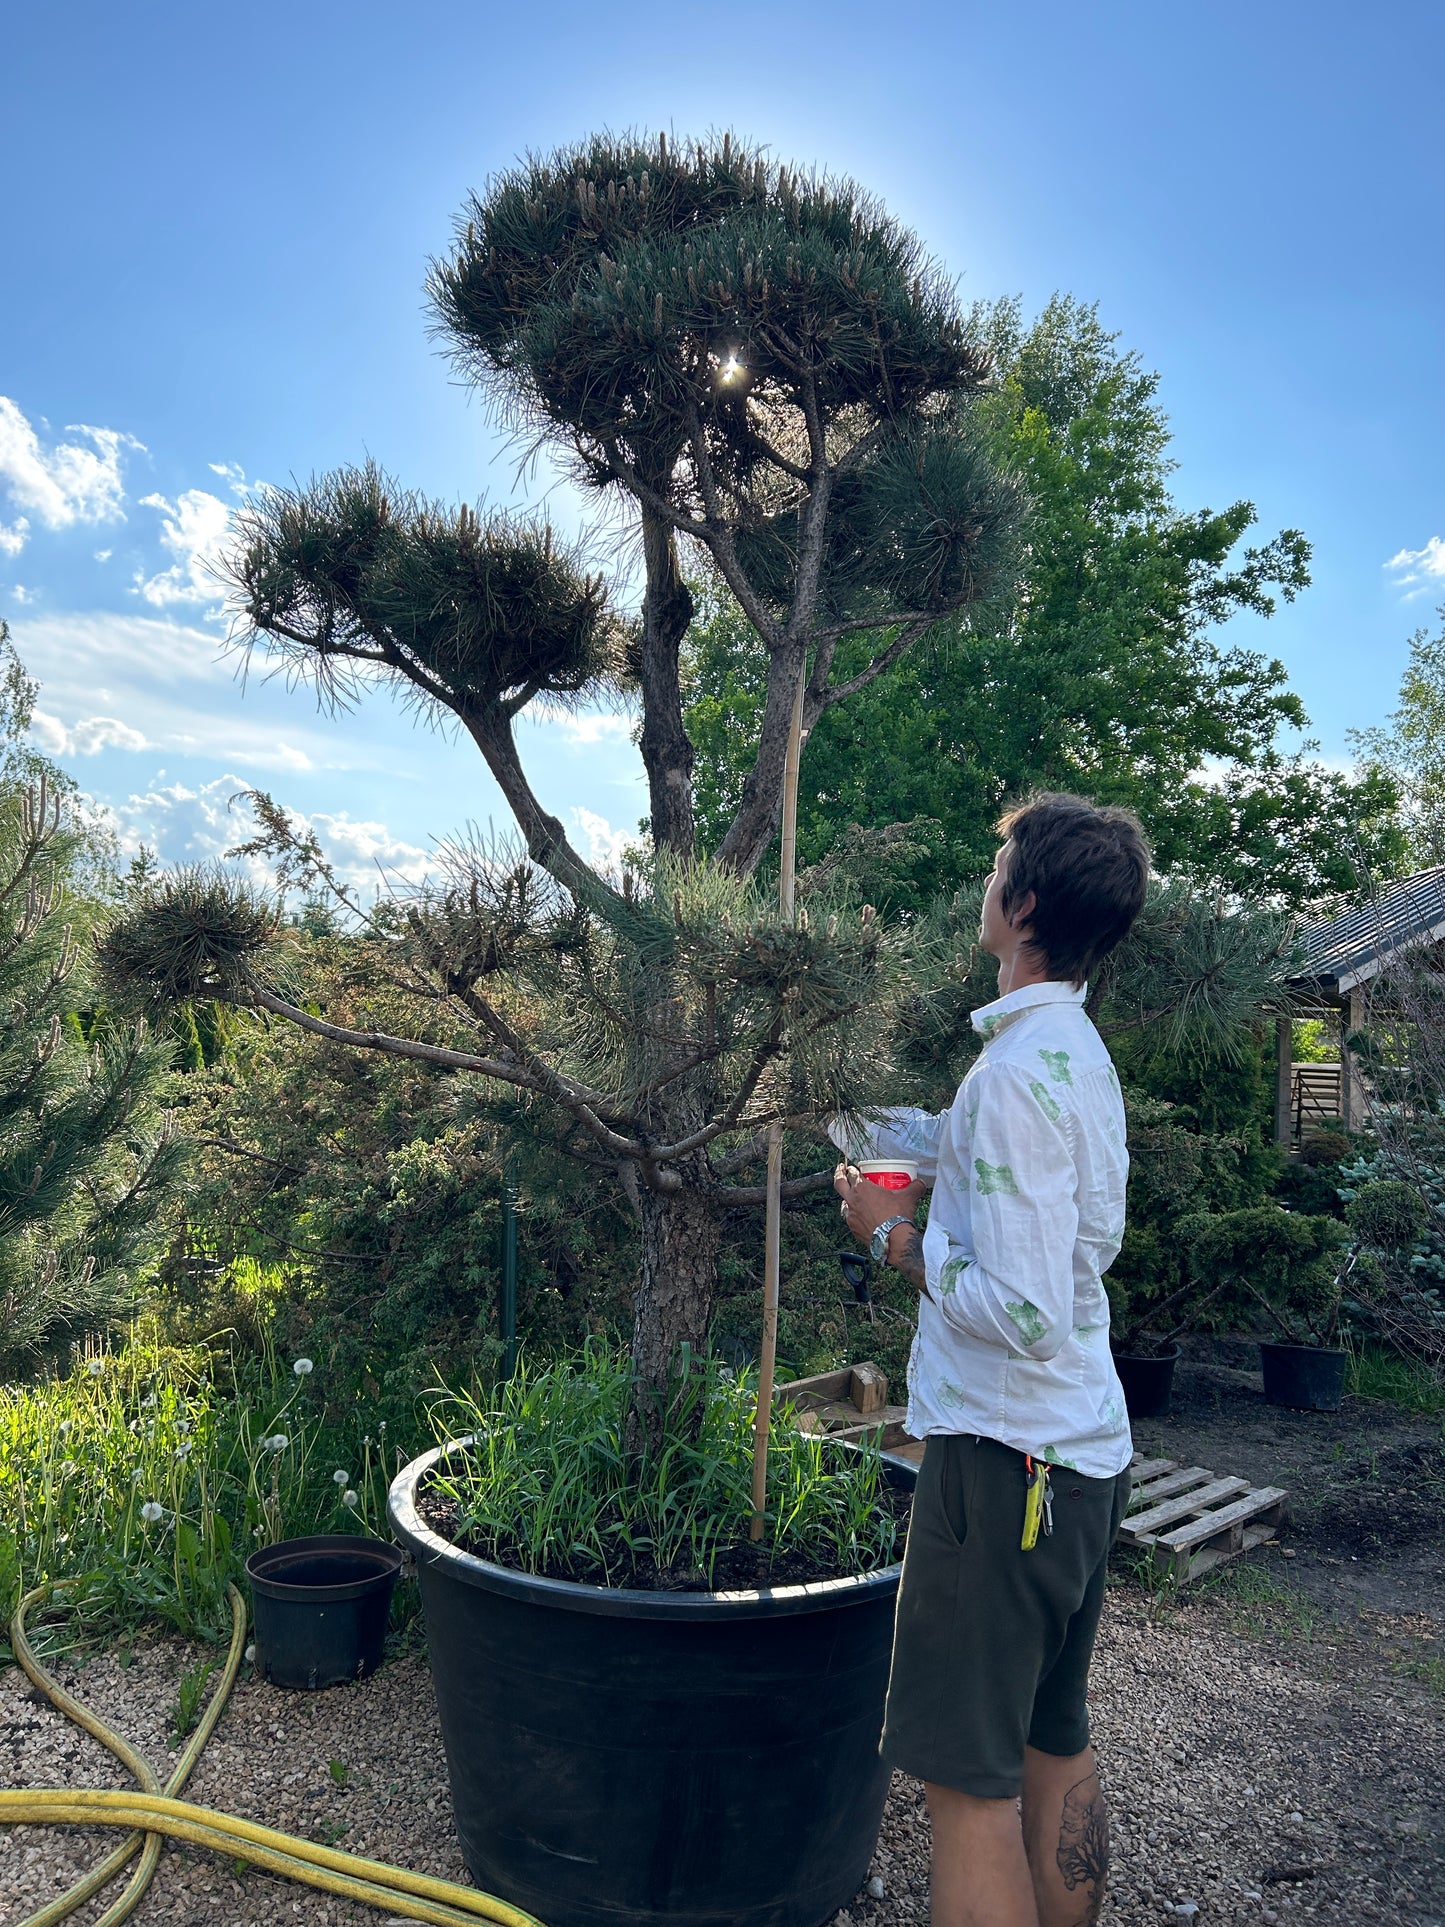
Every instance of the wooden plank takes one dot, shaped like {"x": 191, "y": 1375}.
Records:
{"x": 1144, "y": 1496}
{"x": 822, "y": 1385}
{"x": 1209, "y": 1524}
{"x": 908, "y": 1448}
{"x": 1142, "y": 1525}
{"x": 868, "y": 1387}
{"x": 1150, "y": 1468}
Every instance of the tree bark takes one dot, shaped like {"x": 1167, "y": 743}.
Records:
{"x": 674, "y": 1301}
{"x": 667, "y": 751}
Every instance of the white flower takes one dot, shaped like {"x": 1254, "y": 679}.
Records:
{"x": 95, "y": 1366}
{"x": 342, "y": 1478}
{"x": 350, "y": 1499}
{"x": 277, "y": 1442}
{"x": 302, "y": 1366}
{"x": 150, "y": 1512}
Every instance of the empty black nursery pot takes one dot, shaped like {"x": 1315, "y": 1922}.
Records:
{"x": 1148, "y": 1383}
{"x": 1309, "y": 1378}
{"x": 320, "y": 1608}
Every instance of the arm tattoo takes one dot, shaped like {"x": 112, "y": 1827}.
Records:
{"x": 1083, "y": 1854}
{"x": 910, "y": 1260}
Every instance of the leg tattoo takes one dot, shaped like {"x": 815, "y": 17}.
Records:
{"x": 1083, "y": 1854}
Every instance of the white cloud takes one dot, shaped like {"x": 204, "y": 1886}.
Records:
{"x": 85, "y": 738}
{"x": 63, "y": 484}
{"x": 19, "y": 593}
{"x": 1418, "y": 570}
{"x": 595, "y": 726}
{"x": 194, "y": 529}
{"x": 173, "y": 686}
{"x": 604, "y": 844}
{"x": 104, "y": 555}
{"x": 198, "y": 824}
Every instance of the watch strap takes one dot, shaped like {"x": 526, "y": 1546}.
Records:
{"x": 878, "y": 1243}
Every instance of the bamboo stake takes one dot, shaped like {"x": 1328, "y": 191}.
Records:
{"x": 772, "y": 1233}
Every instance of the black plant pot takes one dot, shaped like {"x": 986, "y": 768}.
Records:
{"x": 1148, "y": 1383}
{"x": 320, "y": 1606}
{"x": 1308, "y": 1378}
{"x": 624, "y": 1759}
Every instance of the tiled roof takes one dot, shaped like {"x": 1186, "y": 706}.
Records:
{"x": 1341, "y": 952}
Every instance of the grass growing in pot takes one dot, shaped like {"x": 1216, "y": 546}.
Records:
{"x": 544, "y": 1484}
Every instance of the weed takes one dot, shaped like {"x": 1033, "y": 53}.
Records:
{"x": 134, "y": 1473}
{"x": 1374, "y": 1372}
{"x": 332, "y": 1830}
{"x": 190, "y": 1699}
{"x": 1430, "y": 1672}
{"x": 340, "y": 1772}
{"x": 1260, "y": 1604}
{"x": 546, "y": 1476}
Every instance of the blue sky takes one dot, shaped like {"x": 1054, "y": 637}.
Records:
{"x": 216, "y": 261}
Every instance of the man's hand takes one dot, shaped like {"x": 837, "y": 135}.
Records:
{"x": 866, "y": 1205}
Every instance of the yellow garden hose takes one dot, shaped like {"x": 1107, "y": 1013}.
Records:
{"x": 151, "y": 1813}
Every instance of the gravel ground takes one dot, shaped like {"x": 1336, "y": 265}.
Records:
{"x": 1281, "y": 1775}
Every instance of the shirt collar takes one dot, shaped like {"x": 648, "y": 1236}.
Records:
{"x": 990, "y": 1019}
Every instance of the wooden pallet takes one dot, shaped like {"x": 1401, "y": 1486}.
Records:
{"x": 851, "y": 1403}
{"x": 1190, "y": 1520}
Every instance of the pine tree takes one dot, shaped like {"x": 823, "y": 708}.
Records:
{"x": 85, "y": 1151}
{"x": 732, "y": 356}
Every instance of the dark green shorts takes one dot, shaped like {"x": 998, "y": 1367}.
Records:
{"x": 991, "y": 1645}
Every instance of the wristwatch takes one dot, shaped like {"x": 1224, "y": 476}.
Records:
{"x": 878, "y": 1243}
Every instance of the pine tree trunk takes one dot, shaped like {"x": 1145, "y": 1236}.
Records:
{"x": 674, "y": 1301}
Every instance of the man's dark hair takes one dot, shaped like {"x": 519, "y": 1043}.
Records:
{"x": 1088, "y": 867}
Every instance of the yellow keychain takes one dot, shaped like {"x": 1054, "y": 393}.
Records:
{"x": 1038, "y": 1503}
{"x": 1033, "y": 1504}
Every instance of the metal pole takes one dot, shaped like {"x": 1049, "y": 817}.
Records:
{"x": 509, "y": 1264}
{"x": 772, "y": 1233}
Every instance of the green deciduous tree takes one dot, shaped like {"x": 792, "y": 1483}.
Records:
{"x": 1102, "y": 675}
{"x": 1409, "y": 748}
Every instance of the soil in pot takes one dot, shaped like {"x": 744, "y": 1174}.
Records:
{"x": 1148, "y": 1382}
{"x": 1307, "y": 1378}
{"x": 320, "y": 1607}
{"x": 624, "y": 1758}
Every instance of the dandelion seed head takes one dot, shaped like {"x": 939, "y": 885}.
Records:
{"x": 67, "y": 1465}
{"x": 150, "y": 1512}
{"x": 350, "y": 1499}
{"x": 302, "y": 1366}
{"x": 251, "y": 1654}
{"x": 342, "y": 1478}
{"x": 277, "y": 1442}
{"x": 95, "y": 1366}
{"x": 183, "y": 1449}
{"x": 67, "y": 1426}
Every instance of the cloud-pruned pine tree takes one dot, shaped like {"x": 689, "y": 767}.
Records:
{"x": 753, "y": 370}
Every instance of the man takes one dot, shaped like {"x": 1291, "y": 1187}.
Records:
{"x": 1024, "y": 1476}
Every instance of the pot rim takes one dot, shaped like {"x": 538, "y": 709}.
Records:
{"x": 571, "y": 1595}
{"x": 1171, "y": 1357}
{"x": 385, "y": 1559}
{"x": 1288, "y": 1345}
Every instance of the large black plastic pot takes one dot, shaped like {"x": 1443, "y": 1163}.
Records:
{"x": 1148, "y": 1383}
{"x": 1310, "y": 1378}
{"x": 624, "y": 1759}
{"x": 320, "y": 1606}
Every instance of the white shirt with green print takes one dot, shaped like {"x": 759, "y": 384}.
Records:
{"x": 1028, "y": 1168}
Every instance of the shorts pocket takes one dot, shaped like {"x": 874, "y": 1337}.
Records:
{"x": 950, "y": 1498}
